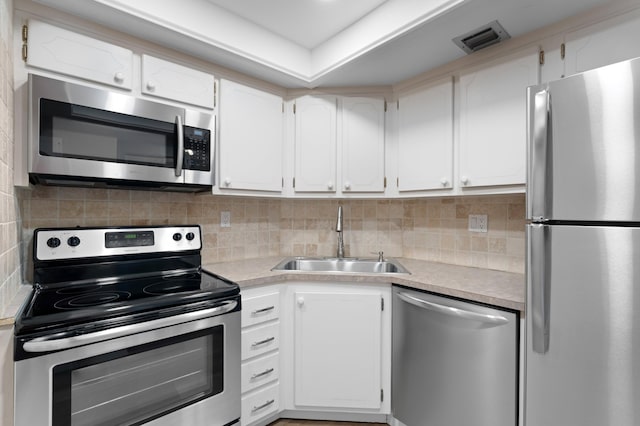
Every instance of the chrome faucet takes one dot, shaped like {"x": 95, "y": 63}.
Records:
{"x": 339, "y": 231}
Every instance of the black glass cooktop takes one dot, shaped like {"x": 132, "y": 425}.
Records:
{"x": 62, "y": 305}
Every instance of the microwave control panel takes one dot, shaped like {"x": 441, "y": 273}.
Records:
{"x": 197, "y": 148}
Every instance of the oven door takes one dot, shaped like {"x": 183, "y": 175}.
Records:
{"x": 88, "y": 133}
{"x": 185, "y": 373}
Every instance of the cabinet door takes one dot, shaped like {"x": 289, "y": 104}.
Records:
{"x": 362, "y": 145}
{"x": 251, "y": 133}
{"x": 602, "y": 44}
{"x": 493, "y": 122}
{"x": 175, "y": 82}
{"x": 425, "y": 138}
{"x": 315, "y": 144}
{"x": 337, "y": 350}
{"x": 76, "y": 55}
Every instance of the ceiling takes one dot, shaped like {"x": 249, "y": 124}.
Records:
{"x": 305, "y": 22}
{"x": 321, "y": 43}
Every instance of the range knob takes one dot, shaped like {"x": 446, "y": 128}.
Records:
{"x": 73, "y": 241}
{"x": 53, "y": 242}
{"x": 190, "y": 236}
{"x": 177, "y": 236}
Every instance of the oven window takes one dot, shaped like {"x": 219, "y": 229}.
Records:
{"x": 75, "y": 131}
{"x": 133, "y": 386}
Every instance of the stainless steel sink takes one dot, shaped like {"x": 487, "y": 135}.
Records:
{"x": 347, "y": 264}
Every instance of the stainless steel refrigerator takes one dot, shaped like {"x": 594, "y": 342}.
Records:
{"x": 583, "y": 250}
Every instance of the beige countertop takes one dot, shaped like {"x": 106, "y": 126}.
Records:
{"x": 503, "y": 289}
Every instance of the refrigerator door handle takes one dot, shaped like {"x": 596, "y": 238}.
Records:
{"x": 539, "y": 263}
{"x": 539, "y": 199}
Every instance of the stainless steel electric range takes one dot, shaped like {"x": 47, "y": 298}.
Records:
{"x": 124, "y": 327}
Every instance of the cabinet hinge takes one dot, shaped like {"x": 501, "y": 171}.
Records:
{"x": 382, "y": 304}
{"x": 385, "y": 106}
{"x": 562, "y": 51}
{"x": 283, "y": 182}
{"x": 294, "y": 108}
{"x": 381, "y": 395}
{"x": 541, "y": 57}
{"x": 385, "y": 182}
{"x": 398, "y": 182}
{"x": 283, "y": 107}
{"x": 398, "y": 104}
{"x": 215, "y": 92}
{"x": 25, "y": 39}
{"x": 294, "y": 183}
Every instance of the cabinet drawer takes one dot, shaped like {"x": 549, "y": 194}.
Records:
{"x": 260, "y": 372}
{"x": 260, "y": 404}
{"x": 260, "y": 309}
{"x": 260, "y": 340}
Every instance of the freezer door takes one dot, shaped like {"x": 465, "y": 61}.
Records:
{"x": 584, "y": 146}
{"x": 583, "y": 326}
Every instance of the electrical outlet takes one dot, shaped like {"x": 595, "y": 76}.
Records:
{"x": 225, "y": 219}
{"x": 478, "y": 223}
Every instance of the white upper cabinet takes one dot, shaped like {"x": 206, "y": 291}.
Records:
{"x": 65, "y": 52}
{"x": 362, "y": 145}
{"x": 167, "y": 80}
{"x": 493, "y": 121}
{"x": 425, "y": 138}
{"x": 251, "y": 138}
{"x": 315, "y": 144}
{"x": 605, "y": 43}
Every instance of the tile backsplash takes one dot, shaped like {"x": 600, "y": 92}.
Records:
{"x": 430, "y": 229}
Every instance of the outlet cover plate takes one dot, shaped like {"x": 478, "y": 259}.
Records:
{"x": 478, "y": 223}
{"x": 225, "y": 219}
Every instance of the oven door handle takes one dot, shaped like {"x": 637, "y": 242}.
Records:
{"x": 56, "y": 343}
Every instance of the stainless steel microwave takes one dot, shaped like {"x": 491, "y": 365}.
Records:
{"x": 82, "y": 136}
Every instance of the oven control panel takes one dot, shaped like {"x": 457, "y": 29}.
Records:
{"x": 74, "y": 243}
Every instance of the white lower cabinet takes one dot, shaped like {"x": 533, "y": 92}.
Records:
{"x": 260, "y": 404}
{"x": 260, "y": 369}
{"x": 339, "y": 356}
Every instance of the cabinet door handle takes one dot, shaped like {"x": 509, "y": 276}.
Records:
{"x": 264, "y": 373}
{"x": 263, "y": 342}
{"x": 260, "y": 407}
{"x": 263, "y": 310}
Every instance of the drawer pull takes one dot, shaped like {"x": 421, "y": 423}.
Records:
{"x": 262, "y": 342}
{"x": 263, "y": 310}
{"x": 264, "y": 373}
{"x": 260, "y": 407}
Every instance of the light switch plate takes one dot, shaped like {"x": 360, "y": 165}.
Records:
{"x": 225, "y": 219}
{"x": 478, "y": 223}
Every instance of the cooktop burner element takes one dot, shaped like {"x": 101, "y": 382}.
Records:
{"x": 91, "y": 299}
{"x": 93, "y": 280}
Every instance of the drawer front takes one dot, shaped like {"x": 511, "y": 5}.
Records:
{"x": 256, "y": 310}
{"x": 260, "y": 340}
{"x": 260, "y": 372}
{"x": 260, "y": 404}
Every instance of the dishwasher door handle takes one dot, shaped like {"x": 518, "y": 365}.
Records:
{"x": 450, "y": 310}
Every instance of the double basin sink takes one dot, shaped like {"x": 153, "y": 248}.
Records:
{"x": 345, "y": 264}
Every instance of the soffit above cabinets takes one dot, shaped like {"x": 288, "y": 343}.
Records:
{"x": 320, "y": 43}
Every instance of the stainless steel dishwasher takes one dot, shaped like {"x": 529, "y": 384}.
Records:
{"x": 454, "y": 362}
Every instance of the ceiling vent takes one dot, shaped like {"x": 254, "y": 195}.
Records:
{"x": 482, "y": 37}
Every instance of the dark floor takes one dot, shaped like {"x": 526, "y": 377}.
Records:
{"x": 290, "y": 422}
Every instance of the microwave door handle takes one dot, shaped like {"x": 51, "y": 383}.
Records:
{"x": 180, "y": 145}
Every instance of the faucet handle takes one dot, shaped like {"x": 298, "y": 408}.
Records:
{"x": 380, "y": 255}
